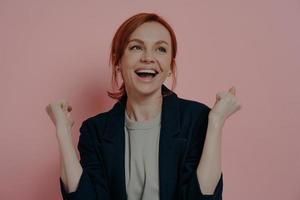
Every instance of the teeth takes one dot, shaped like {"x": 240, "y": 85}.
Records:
{"x": 146, "y": 71}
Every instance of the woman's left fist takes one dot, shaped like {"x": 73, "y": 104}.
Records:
{"x": 226, "y": 104}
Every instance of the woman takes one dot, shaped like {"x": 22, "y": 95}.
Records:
{"x": 151, "y": 144}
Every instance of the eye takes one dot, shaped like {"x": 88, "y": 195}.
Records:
{"x": 162, "y": 49}
{"x": 137, "y": 47}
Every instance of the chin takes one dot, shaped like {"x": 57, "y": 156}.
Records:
{"x": 148, "y": 89}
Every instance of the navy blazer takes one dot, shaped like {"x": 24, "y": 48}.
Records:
{"x": 102, "y": 146}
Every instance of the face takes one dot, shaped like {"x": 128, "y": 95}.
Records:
{"x": 146, "y": 62}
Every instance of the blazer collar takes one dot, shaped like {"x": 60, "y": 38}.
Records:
{"x": 113, "y": 146}
{"x": 169, "y": 115}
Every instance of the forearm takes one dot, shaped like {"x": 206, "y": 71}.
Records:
{"x": 71, "y": 169}
{"x": 209, "y": 168}
{"x": 63, "y": 173}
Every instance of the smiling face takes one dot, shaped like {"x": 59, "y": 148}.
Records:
{"x": 146, "y": 61}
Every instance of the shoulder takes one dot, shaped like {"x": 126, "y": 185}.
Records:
{"x": 193, "y": 107}
{"x": 99, "y": 118}
{"x": 193, "y": 117}
{"x": 95, "y": 123}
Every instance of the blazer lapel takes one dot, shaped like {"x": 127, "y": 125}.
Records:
{"x": 112, "y": 148}
{"x": 171, "y": 146}
{"x": 112, "y": 145}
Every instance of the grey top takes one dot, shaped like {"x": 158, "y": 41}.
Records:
{"x": 141, "y": 158}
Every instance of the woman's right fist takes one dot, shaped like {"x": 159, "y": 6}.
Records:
{"x": 60, "y": 113}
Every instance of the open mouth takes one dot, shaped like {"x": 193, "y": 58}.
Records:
{"x": 146, "y": 74}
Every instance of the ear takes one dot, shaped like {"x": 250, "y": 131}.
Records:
{"x": 173, "y": 62}
{"x": 118, "y": 69}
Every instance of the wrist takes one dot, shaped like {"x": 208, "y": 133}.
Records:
{"x": 216, "y": 120}
{"x": 63, "y": 130}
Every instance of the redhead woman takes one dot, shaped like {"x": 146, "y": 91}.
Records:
{"x": 151, "y": 144}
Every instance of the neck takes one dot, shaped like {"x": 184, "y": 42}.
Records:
{"x": 144, "y": 108}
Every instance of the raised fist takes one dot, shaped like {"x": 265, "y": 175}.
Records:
{"x": 60, "y": 113}
{"x": 226, "y": 104}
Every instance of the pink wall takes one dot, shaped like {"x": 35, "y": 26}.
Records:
{"x": 51, "y": 50}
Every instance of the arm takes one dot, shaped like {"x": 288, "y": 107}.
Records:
{"x": 189, "y": 185}
{"x": 208, "y": 176}
{"x": 209, "y": 168}
{"x": 71, "y": 169}
{"x": 89, "y": 183}
{"x": 63, "y": 173}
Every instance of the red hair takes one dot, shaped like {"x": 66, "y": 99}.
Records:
{"x": 120, "y": 42}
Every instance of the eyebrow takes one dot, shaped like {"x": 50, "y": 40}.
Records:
{"x": 141, "y": 41}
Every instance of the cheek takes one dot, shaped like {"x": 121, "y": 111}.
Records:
{"x": 128, "y": 63}
{"x": 131, "y": 57}
{"x": 165, "y": 62}
{"x": 165, "y": 58}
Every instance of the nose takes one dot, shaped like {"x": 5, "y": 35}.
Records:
{"x": 147, "y": 57}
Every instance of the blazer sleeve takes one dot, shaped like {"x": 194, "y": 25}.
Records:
{"x": 189, "y": 188}
{"x": 92, "y": 184}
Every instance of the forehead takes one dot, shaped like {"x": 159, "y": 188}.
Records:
{"x": 151, "y": 32}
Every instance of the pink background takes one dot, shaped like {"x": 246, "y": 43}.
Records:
{"x": 54, "y": 50}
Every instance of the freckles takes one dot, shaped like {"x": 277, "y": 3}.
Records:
{"x": 133, "y": 56}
